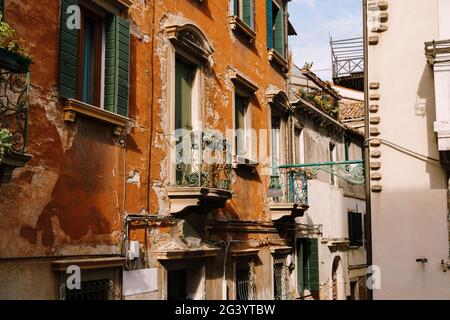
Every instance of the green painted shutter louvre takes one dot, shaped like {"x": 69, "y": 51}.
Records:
{"x": 247, "y": 14}
{"x": 279, "y": 32}
{"x": 269, "y": 21}
{"x": 236, "y": 7}
{"x": 68, "y": 55}
{"x": 117, "y": 60}
{"x": 184, "y": 76}
{"x": 313, "y": 265}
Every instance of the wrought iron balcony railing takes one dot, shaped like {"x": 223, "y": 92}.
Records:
{"x": 14, "y": 102}
{"x": 351, "y": 171}
{"x": 289, "y": 185}
{"x": 203, "y": 159}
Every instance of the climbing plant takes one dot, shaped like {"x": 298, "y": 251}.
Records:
{"x": 5, "y": 142}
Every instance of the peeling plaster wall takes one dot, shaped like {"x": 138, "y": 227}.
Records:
{"x": 70, "y": 199}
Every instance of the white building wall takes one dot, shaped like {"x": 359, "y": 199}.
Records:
{"x": 409, "y": 215}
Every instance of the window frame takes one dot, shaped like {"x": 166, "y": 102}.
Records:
{"x": 250, "y": 264}
{"x": 99, "y": 57}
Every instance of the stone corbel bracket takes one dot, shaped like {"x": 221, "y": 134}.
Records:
{"x": 375, "y": 142}
{"x": 378, "y": 17}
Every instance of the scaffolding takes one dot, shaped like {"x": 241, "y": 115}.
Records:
{"x": 348, "y": 62}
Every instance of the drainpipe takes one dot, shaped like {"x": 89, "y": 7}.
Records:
{"x": 366, "y": 145}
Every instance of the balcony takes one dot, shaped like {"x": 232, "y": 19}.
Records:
{"x": 288, "y": 193}
{"x": 14, "y": 103}
{"x": 202, "y": 172}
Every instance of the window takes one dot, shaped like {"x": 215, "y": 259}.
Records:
{"x": 354, "y": 290}
{"x": 355, "y": 231}
{"x": 298, "y": 146}
{"x": 94, "y": 61}
{"x": 276, "y": 142}
{"x": 90, "y": 58}
{"x": 332, "y": 160}
{"x": 186, "y": 121}
{"x": 185, "y": 78}
{"x": 243, "y": 127}
{"x": 280, "y": 279}
{"x": 275, "y": 27}
{"x": 307, "y": 264}
{"x": 244, "y": 9}
{"x": 177, "y": 285}
{"x": 245, "y": 281}
{"x": 347, "y": 145}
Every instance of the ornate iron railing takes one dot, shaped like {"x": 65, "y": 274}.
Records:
{"x": 14, "y": 103}
{"x": 292, "y": 185}
{"x": 203, "y": 159}
{"x": 350, "y": 171}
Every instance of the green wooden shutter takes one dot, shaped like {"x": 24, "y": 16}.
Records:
{"x": 248, "y": 16}
{"x": 236, "y": 7}
{"x": 117, "y": 60}
{"x": 279, "y": 32}
{"x": 68, "y": 55}
{"x": 313, "y": 265}
{"x": 269, "y": 24}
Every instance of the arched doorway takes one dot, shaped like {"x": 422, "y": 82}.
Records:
{"x": 338, "y": 280}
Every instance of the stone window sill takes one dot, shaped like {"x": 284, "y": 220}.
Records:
{"x": 278, "y": 61}
{"x": 244, "y": 161}
{"x": 240, "y": 26}
{"x": 74, "y": 107}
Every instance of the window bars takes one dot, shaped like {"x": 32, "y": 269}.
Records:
{"x": 280, "y": 279}
{"x": 245, "y": 281}
{"x": 92, "y": 290}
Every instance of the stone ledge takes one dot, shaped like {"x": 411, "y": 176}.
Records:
{"x": 240, "y": 26}
{"x": 74, "y": 107}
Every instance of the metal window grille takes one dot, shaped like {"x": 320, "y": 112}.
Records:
{"x": 245, "y": 281}
{"x": 92, "y": 290}
{"x": 280, "y": 278}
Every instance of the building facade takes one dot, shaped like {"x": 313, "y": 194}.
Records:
{"x": 159, "y": 155}
{"x": 408, "y": 103}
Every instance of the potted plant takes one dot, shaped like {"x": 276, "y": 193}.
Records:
{"x": 13, "y": 54}
{"x": 5, "y": 142}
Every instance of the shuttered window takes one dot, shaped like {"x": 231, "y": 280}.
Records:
{"x": 275, "y": 27}
{"x": 184, "y": 78}
{"x": 245, "y": 9}
{"x": 355, "y": 232}
{"x": 307, "y": 264}
{"x": 241, "y": 106}
{"x": 81, "y": 61}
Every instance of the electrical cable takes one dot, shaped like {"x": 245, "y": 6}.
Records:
{"x": 396, "y": 146}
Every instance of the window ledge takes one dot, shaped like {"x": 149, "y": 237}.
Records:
{"x": 74, "y": 107}
{"x": 278, "y": 60}
{"x": 238, "y": 25}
